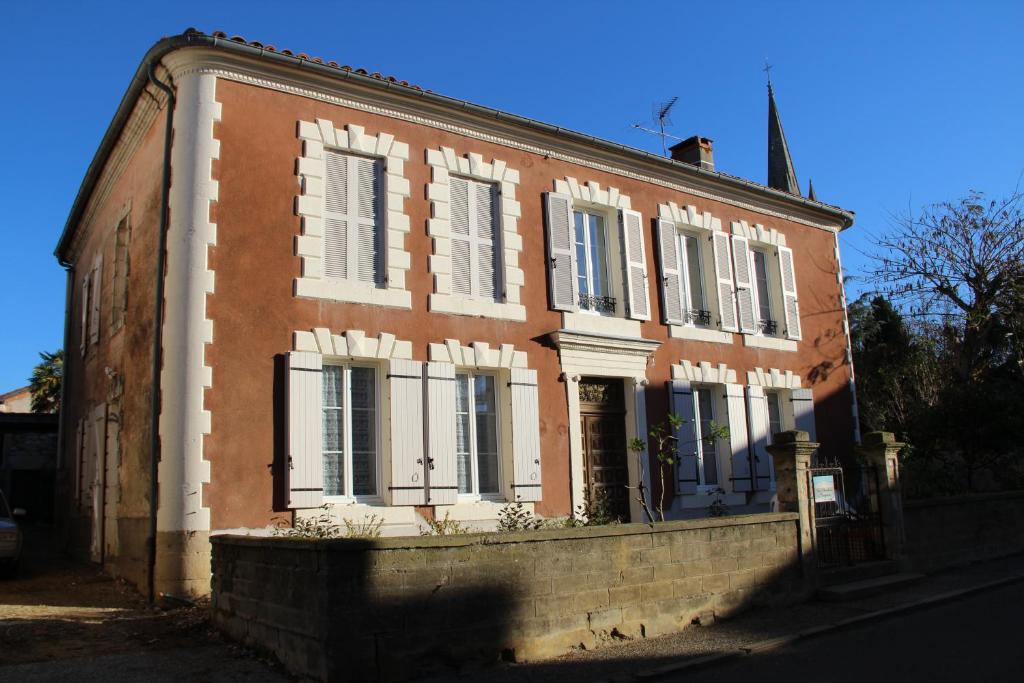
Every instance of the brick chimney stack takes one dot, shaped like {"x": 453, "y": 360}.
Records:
{"x": 695, "y": 151}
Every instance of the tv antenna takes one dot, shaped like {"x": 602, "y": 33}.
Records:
{"x": 660, "y": 114}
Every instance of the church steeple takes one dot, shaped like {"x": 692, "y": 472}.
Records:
{"x": 781, "y": 175}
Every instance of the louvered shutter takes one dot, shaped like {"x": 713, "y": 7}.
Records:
{"x": 723, "y": 277}
{"x": 757, "y": 421}
{"x": 562, "y": 284}
{"x": 462, "y": 237}
{"x": 631, "y": 233}
{"x": 742, "y": 478}
{"x": 353, "y": 238}
{"x": 789, "y": 298}
{"x": 803, "y": 411}
{"x": 741, "y": 257}
{"x": 408, "y": 465}
{"x": 85, "y": 304}
{"x": 671, "y": 273}
{"x": 442, "y": 470}
{"x": 305, "y": 472}
{"x": 486, "y": 229}
{"x": 526, "y": 481}
{"x": 474, "y": 239}
{"x": 681, "y": 395}
{"x": 94, "y": 313}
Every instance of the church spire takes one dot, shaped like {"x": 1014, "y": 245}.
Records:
{"x": 781, "y": 175}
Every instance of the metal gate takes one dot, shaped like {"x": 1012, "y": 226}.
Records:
{"x": 847, "y": 523}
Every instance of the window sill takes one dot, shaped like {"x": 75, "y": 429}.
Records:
{"x": 758, "y": 341}
{"x": 600, "y": 324}
{"x": 699, "y": 334}
{"x": 474, "y": 509}
{"x": 480, "y": 308}
{"x": 344, "y": 292}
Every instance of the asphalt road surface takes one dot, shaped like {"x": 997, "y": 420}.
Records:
{"x": 979, "y": 638}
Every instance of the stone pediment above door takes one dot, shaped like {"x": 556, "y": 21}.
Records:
{"x": 594, "y": 354}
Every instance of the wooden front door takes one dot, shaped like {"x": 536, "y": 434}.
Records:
{"x": 603, "y": 417}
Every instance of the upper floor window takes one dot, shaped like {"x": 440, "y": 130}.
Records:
{"x": 475, "y": 247}
{"x": 353, "y": 233}
{"x": 476, "y": 434}
{"x": 762, "y": 289}
{"x": 119, "y": 305}
{"x": 350, "y": 443}
{"x": 592, "y": 263}
{"x": 692, "y": 279}
{"x": 696, "y": 276}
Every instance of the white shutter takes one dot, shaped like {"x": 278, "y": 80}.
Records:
{"x": 462, "y": 237}
{"x": 741, "y": 258}
{"x": 631, "y": 233}
{"x": 723, "y": 278}
{"x": 757, "y": 420}
{"x": 486, "y": 229}
{"x": 789, "y": 298}
{"x": 94, "y": 312}
{"x": 86, "y": 304}
{"x": 353, "y": 239}
{"x": 742, "y": 478}
{"x": 305, "y": 429}
{"x": 681, "y": 395}
{"x": 474, "y": 239}
{"x": 803, "y": 411}
{"x": 442, "y": 470}
{"x": 405, "y": 379}
{"x": 526, "y": 483}
{"x": 562, "y": 284}
{"x": 671, "y": 273}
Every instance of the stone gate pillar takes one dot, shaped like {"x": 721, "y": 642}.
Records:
{"x": 881, "y": 450}
{"x": 791, "y": 454}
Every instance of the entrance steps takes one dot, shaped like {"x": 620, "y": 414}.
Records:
{"x": 861, "y": 581}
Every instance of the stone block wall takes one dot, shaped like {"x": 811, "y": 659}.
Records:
{"x": 945, "y": 532}
{"x": 391, "y": 609}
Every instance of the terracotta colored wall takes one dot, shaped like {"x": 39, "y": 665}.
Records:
{"x": 254, "y": 312}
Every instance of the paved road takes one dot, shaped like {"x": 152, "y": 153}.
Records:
{"x": 974, "y": 639}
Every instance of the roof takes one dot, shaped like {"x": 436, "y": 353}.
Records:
{"x": 255, "y": 49}
{"x": 14, "y": 393}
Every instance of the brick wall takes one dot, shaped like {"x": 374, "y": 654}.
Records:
{"x": 391, "y": 608}
{"x": 949, "y": 531}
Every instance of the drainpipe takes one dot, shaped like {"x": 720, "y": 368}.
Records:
{"x": 158, "y": 316}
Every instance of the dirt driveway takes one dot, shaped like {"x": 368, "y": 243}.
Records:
{"x": 61, "y": 620}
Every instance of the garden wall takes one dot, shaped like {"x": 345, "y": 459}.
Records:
{"x": 945, "y": 532}
{"x": 392, "y": 608}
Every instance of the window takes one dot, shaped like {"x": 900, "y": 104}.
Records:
{"x": 592, "y": 263}
{"x": 762, "y": 286}
{"x": 475, "y": 242}
{"x": 774, "y": 413}
{"x": 476, "y": 434}
{"x": 693, "y": 280}
{"x": 350, "y": 443}
{"x": 120, "y": 293}
{"x": 707, "y": 448}
{"x": 353, "y": 234}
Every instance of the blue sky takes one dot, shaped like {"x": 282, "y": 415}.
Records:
{"x": 885, "y": 105}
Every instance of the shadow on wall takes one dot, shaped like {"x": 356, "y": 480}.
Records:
{"x": 408, "y": 608}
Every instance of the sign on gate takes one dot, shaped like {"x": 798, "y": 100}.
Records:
{"x": 824, "y": 488}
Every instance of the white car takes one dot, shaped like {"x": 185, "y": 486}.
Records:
{"x": 10, "y": 537}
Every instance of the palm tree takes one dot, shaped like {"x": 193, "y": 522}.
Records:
{"x": 45, "y": 382}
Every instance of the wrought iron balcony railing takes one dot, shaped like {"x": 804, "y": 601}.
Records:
{"x": 768, "y": 327}
{"x": 697, "y": 317}
{"x": 601, "y": 304}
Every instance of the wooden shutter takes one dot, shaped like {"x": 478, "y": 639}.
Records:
{"x": 562, "y": 284}
{"x": 757, "y": 421}
{"x": 741, "y": 258}
{"x": 94, "y": 289}
{"x": 631, "y": 234}
{"x": 723, "y": 278}
{"x": 803, "y": 411}
{"x": 671, "y": 273}
{"x": 681, "y": 395}
{"x": 789, "y": 298}
{"x": 526, "y": 482}
{"x": 462, "y": 237}
{"x": 742, "y": 477}
{"x": 405, "y": 379}
{"x": 85, "y": 304}
{"x": 305, "y": 429}
{"x": 474, "y": 239}
{"x": 442, "y": 470}
{"x": 353, "y": 238}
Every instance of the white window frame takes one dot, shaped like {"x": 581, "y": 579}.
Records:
{"x": 714, "y": 392}
{"x": 475, "y": 241}
{"x": 351, "y": 277}
{"x": 121, "y": 271}
{"x": 687, "y": 281}
{"x": 613, "y": 283}
{"x": 474, "y": 475}
{"x": 348, "y": 496}
{"x": 773, "y": 283}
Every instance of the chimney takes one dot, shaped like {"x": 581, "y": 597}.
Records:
{"x": 695, "y": 151}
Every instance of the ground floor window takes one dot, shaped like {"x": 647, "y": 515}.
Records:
{"x": 774, "y": 413}
{"x": 707, "y": 448}
{"x": 350, "y": 440}
{"x": 476, "y": 434}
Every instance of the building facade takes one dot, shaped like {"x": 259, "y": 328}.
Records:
{"x": 402, "y": 306}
